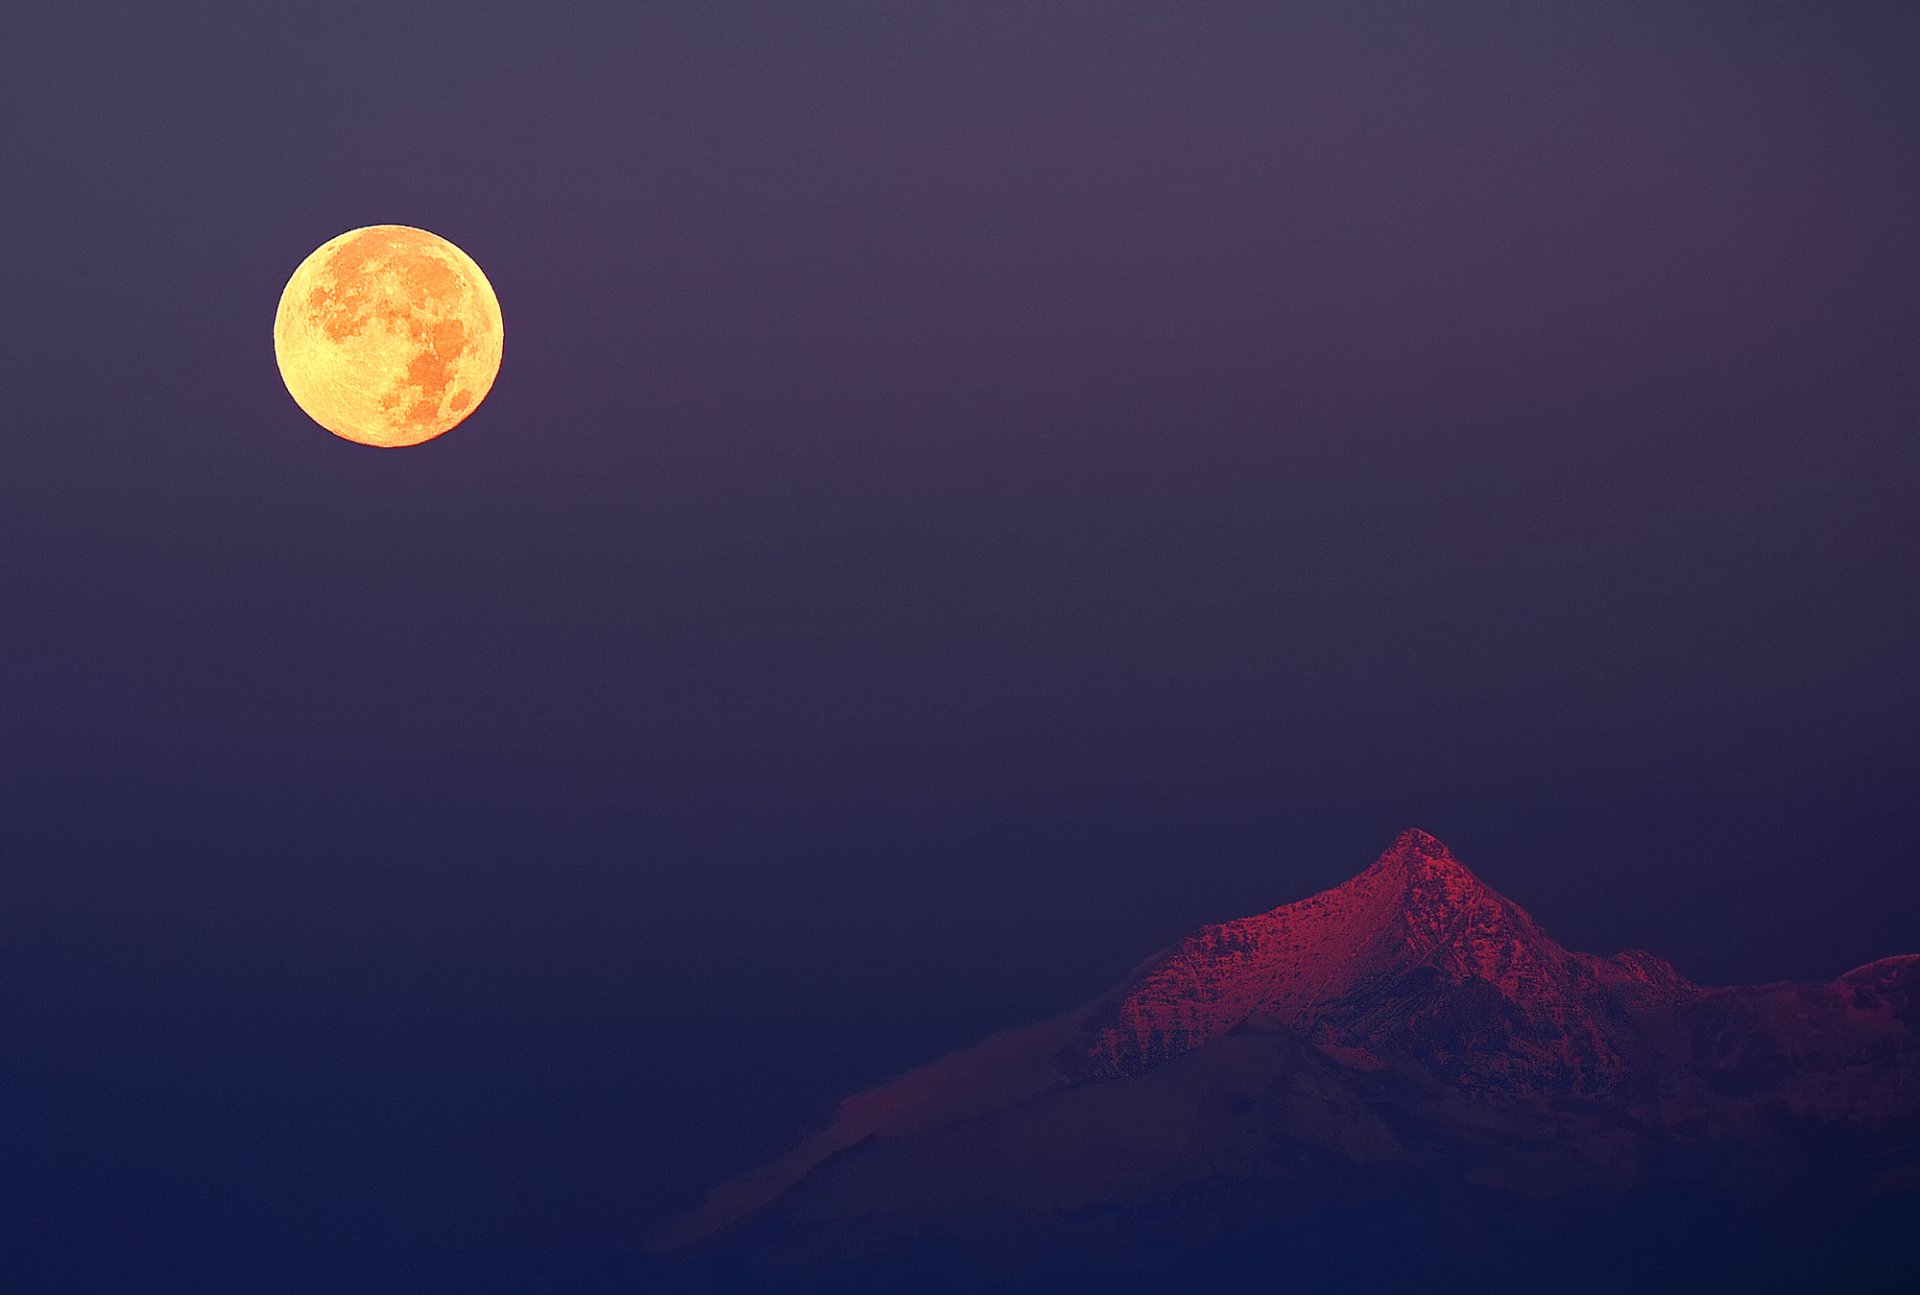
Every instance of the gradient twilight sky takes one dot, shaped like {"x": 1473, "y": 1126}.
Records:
{"x": 974, "y": 490}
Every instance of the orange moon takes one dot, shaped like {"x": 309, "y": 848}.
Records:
{"x": 388, "y": 335}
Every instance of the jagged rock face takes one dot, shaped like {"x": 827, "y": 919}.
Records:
{"x": 1414, "y": 959}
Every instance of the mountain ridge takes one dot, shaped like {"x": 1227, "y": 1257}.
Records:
{"x": 1326, "y": 963}
{"x": 1410, "y": 1018}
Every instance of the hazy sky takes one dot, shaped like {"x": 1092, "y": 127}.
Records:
{"x": 973, "y": 491}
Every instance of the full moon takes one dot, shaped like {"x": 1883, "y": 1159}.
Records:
{"x": 388, "y": 335}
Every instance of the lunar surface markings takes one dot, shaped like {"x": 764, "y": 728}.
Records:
{"x": 388, "y": 335}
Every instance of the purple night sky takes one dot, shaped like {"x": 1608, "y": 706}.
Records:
{"x": 974, "y": 490}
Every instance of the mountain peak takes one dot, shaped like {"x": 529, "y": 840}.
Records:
{"x": 1426, "y": 872}
{"x": 1292, "y": 961}
{"x": 1419, "y": 843}
{"x": 1414, "y": 937}
{"x": 1420, "y": 851}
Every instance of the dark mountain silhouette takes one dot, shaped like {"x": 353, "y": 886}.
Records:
{"x": 1400, "y": 1078}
